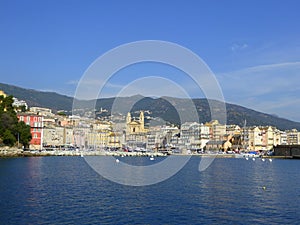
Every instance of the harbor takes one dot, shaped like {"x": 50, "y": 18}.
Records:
{"x": 14, "y": 152}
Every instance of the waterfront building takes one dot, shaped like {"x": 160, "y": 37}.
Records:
{"x": 194, "y": 136}
{"x": 277, "y": 137}
{"x": 58, "y": 136}
{"x": 36, "y": 128}
{"x": 170, "y": 136}
{"x": 292, "y": 137}
{"x": 81, "y": 137}
{"x": 233, "y": 130}
{"x": 154, "y": 139}
{"x": 216, "y": 130}
{"x": 162, "y": 137}
{"x": 100, "y": 139}
{"x": 255, "y": 138}
{"x": 267, "y": 135}
{"x": 214, "y": 145}
{"x": 283, "y": 138}
{"x": 265, "y": 138}
{"x": 236, "y": 136}
{"x": 53, "y": 136}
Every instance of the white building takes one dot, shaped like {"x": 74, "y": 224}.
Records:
{"x": 194, "y": 136}
{"x": 19, "y": 103}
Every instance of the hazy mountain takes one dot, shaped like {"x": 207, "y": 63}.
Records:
{"x": 159, "y": 107}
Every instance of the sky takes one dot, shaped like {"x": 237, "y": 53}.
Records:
{"x": 252, "y": 48}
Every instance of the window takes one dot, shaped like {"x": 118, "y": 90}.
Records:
{"x": 21, "y": 118}
{"x": 35, "y": 136}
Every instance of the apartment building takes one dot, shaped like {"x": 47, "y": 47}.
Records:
{"x": 36, "y": 128}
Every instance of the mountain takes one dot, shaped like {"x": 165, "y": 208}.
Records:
{"x": 159, "y": 107}
{"x": 50, "y": 100}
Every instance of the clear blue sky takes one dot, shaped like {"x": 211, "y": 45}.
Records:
{"x": 253, "y": 47}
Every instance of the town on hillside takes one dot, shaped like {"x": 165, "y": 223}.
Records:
{"x": 129, "y": 132}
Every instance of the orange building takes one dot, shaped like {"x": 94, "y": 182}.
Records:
{"x": 36, "y": 128}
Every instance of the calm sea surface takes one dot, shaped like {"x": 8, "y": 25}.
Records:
{"x": 65, "y": 190}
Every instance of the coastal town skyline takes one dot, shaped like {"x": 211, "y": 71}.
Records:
{"x": 101, "y": 130}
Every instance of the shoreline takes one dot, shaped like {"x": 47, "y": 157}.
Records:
{"x": 13, "y": 153}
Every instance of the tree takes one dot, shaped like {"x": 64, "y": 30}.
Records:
{"x": 7, "y": 122}
{"x": 61, "y": 113}
{"x": 10, "y": 129}
{"x": 8, "y": 138}
{"x": 22, "y": 132}
{"x": 23, "y": 108}
{"x": 7, "y": 105}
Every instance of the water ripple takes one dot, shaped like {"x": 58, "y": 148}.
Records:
{"x": 65, "y": 190}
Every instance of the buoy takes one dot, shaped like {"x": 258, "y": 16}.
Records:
{"x": 151, "y": 158}
{"x": 264, "y": 188}
{"x": 117, "y": 160}
{"x": 247, "y": 158}
{"x": 253, "y": 159}
{"x": 263, "y": 159}
{"x": 270, "y": 160}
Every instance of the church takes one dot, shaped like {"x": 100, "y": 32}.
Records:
{"x": 136, "y": 133}
{"x": 134, "y": 126}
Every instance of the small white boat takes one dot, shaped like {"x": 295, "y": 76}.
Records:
{"x": 246, "y": 155}
{"x": 152, "y": 158}
{"x": 117, "y": 160}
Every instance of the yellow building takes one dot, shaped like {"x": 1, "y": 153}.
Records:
{"x": 104, "y": 138}
{"x": 2, "y": 93}
{"x": 217, "y": 131}
{"x": 135, "y": 126}
{"x": 4, "y": 96}
{"x": 135, "y": 130}
{"x": 255, "y": 141}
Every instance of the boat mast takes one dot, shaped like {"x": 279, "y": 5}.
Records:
{"x": 244, "y": 135}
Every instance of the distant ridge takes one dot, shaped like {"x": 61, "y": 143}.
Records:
{"x": 50, "y": 100}
{"x": 159, "y": 107}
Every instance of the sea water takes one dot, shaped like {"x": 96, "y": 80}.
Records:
{"x": 65, "y": 190}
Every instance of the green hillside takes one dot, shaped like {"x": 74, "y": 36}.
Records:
{"x": 39, "y": 98}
